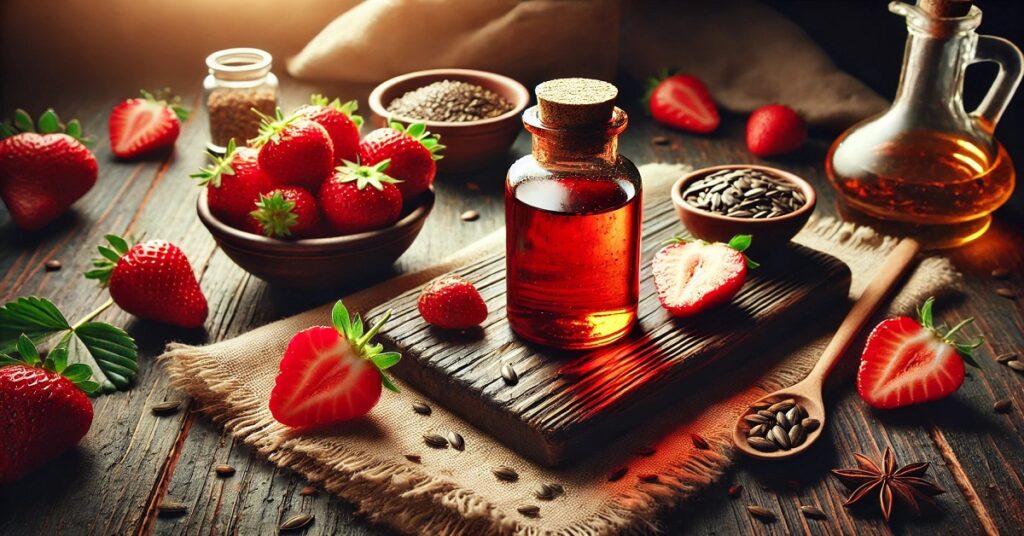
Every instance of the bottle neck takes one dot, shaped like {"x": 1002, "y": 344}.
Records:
{"x": 572, "y": 147}
{"x": 933, "y": 69}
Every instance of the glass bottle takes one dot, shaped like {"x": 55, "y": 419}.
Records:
{"x": 927, "y": 167}
{"x": 239, "y": 81}
{"x": 573, "y": 217}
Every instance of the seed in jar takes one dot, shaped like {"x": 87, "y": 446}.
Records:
{"x": 744, "y": 193}
{"x": 450, "y": 100}
{"x": 231, "y": 113}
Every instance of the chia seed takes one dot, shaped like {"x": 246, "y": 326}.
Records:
{"x": 450, "y": 100}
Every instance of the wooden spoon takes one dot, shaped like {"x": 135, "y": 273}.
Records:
{"x": 808, "y": 392}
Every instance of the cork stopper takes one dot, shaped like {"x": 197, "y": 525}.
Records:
{"x": 946, "y": 8}
{"x": 576, "y": 102}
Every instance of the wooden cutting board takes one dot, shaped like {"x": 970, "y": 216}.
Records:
{"x": 566, "y": 403}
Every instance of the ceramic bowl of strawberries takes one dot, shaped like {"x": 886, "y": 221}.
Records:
{"x": 310, "y": 203}
{"x": 475, "y": 113}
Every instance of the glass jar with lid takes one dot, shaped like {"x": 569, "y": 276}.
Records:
{"x": 239, "y": 81}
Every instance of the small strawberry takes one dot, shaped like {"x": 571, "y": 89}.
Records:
{"x": 906, "y": 361}
{"x": 413, "y": 153}
{"x": 774, "y": 130}
{"x": 691, "y": 277}
{"x": 140, "y": 126}
{"x": 151, "y": 280}
{"x": 341, "y": 123}
{"x": 44, "y": 409}
{"x": 350, "y": 207}
{"x": 287, "y": 212}
{"x": 451, "y": 302}
{"x": 331, "y": 374}
{"x": 233, "y": 183}
{"x": 683, "y": 102}
{"x": 44, "y": 173}
{"x": 294, "y": 150}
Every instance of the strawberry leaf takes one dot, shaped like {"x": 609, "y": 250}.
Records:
{"x": 77, "y": 373}
{"x": 924, "y": 313}
{"x": 740, "y": 242}
{"x": 23, "y": 121}
{"x": 388, "y": 384}
{"x": 6, "y": 361}
{"x": 386, "y": 360}
{"x": 275, "y": 214}
{"x": 341, "y": 320}
{"x": 27, "y": 351}
{"x": 109, "y": 352}
{"x": 36, "y": 318}
{"x": 48, "y": 122}
{"x": 74, "y": 129}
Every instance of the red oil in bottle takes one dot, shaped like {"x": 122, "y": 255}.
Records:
{"x": 573, "y": 259}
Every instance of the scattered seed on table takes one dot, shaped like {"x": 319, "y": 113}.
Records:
{"x": 646, "y": 450}
{"x": 660, "y": 140}
{"x": 1000, "y": 273}
{"x": 309, "y": 491}
{"x": 761, "y": 513}
{"x": 414, "y": 458}
{"x": 169, "y": 407}
{"x": 617, "y": 473}
{"x": 648, "y": 478}
{"x": 1006, "y": 358}
{"x": 699, "y": 442}
{"x": 170, "y": 508}
{"x": 296, "y": 522}
{"x": 505, "y": 474}
{"x": 544, "y": 493}
{"x": 436, "y": 441}
{"x": 509, "y": 374}
{"x": 52, "y": 265}
{"x": 1016, "y": 365}
{"x": 456, "y": 440}
{"x": 735, "y": 491}
{"x": 557, "y": 488}
{"x": 529, "y": 510}
{"x": 421, "y": 408}
{"x": 224, "y": 470}
{"x": 1006, "y": 293}
{"x": 1002, "y": 406}
{"x": 812, "y": 512}
{"x": 469, "y": 215}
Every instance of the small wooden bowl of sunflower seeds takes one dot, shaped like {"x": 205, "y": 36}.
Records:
{"x": 720, "y": 202}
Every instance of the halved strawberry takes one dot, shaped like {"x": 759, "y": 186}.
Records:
{"x": 138, "y": 126}
{"x": 906, "y": 361}
{"x": 331, "y": 374}
{"x": 683, "y": 102}
{"x": 693, "y": 276}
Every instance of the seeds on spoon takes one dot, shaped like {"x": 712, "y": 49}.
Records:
{"x": 782, "y": 425}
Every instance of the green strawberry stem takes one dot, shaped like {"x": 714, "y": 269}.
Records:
{"x": 275, "y": 214}
{"x": 739, "y": 242}
{"x": 418, "y": 132}
{"x": 103, "y": 267}
{"x": 366, "y": 175}
{"x": 165, "y": 97}
{"x": 349, "y": 108}
{"x": 272, "y": 127}
{"x": 56, "y": 361}
{"x": 49, "y": 123}
{"x": 92, "y": 316}
{"x": 965, "y": 349}
{"x": 219, "y": 166}
{"x": 351, "y": 327}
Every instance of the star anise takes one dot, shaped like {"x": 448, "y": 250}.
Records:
{"x": 903, "y": 483}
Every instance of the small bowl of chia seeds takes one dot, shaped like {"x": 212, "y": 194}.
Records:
{"x": 720, "y": 202}
{"x": 476, "y": 113}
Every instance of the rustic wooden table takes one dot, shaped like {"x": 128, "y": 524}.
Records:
{"x": 132, "y": 460}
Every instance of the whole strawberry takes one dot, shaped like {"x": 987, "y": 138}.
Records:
{"x": 141, "y": 126}
{"x": 286, "y": 212}
{"x": 45, "y": 410}
{"x": 234, "y": 183}
{"x": 360, "y": 198}
{"x": 294, "y": 150}
{"x": 413, "y": 153}
{"x": 775, "y": 130}
{"x": 683, "y": 102}
{"x": 341, "y": 123}
{"x": 452, "y": 303}
{"x": 44, "y": 173}
{"x": 151, "y": 280}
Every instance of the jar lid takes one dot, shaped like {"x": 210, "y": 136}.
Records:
{"x": 576, "y": 102}
{"x": 239, "y": 63}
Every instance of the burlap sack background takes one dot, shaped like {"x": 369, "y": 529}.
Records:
{"x": 455, "y": 492}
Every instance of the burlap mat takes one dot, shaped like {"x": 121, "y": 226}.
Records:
{"x": 454, "y": 492}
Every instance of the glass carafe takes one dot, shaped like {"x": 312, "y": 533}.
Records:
{"x": 927, "y": 167}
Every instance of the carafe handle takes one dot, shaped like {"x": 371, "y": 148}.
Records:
{"x": 1008, "y": 57}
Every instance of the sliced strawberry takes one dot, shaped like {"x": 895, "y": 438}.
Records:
{"x": 139, "y": 126}
{"x": 451, "y": 302}
{"x": 906, "y": 361}
{"x": 693, "y": 276}
{"x": 331, "y": 374}
{"x": 683, "y": 102}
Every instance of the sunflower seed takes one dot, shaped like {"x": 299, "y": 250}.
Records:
{"x": 784, "y": 405}
{"x": 1006, "y": 358}
{"x": 1006, "y": 293}
{"x": 414, "y": 458}
{"x": 810, "y": 424}
{"x": 505, "y": 474}
{"x": 648, "y": 478}
{"x": 557, "y": 489}
{"x": 1000, "y": 273}
{"x": 456, "y": 440}
{"x": 169, "y": 407}
{"x": 1001, "y": 406}
{"x": 529, "y": 510}
{"x": 436, "y": 441}
{"x": 764, "y": 404}
{"x": 646, "y": 450}
{"x": 758, "y": 430}
{"x": 755, "y": 418}
{"x": 797, "y": 435}
{"x": 782, "y": 420}
{"x": 761, "y": 513}
{"x": 52, "y": 265}
{"x": 743, "y": 193}
{"x": 422, "y": 408}
{"x": 170, "y": 508}
{"x": 469, "y": 215}
{"x": 544, "y": 493}
{"x": 617, "y": 473}
{"x": 296, "y": 522}
{"x": 1016, "y": 365}
{"x": 812, "y": 512}
{"x": 224, "y": 470}
{"x": 309, "y": 491}
{"x": 660, "y": 140}
{"x": 779, "y": 437}
{"x": 762, "y": 444}
{"x": 699, "y": 442}
{"x": 735, "y": 491}
{"x": 795, "y": 414}
{"x": 509, "y": 374}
